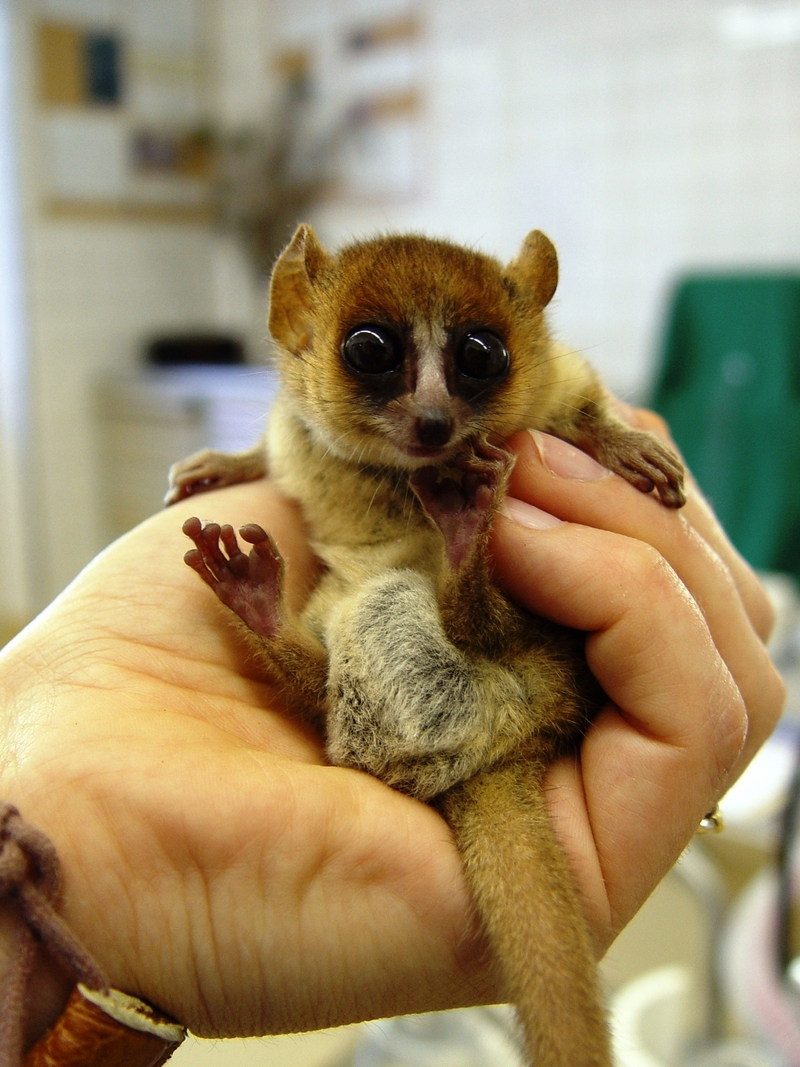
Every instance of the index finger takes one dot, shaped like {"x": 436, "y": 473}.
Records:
{"x": 545, "y": 476}
{"x": 661, "y": 753}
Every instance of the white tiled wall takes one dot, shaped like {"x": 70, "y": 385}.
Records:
{"x": 635, "y": 132}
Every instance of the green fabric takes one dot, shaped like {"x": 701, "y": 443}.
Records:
{"x": 730, "y": 390}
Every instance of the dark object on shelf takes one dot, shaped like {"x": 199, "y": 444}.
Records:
{"x": 191, "y": 349}
{"x": 103, "y": 68}
{"x": 730, "y": 389}
{"x": 183, "y": 153}
{"x": 391, "y": 31}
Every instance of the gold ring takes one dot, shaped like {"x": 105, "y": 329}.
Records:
{"x": 712, "y": 822}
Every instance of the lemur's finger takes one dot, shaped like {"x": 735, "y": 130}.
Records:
{"x": 205, "y": 559}
{"x": 192, "y": 527}
{"x": 237, "y": 560}
{"x": 228, "y": 538}
{"x": 194, "y": 559}
{"x": 253, "y": 533}
{"x": 208, "y": 544}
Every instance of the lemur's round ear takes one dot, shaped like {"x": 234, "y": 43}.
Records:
{"x": 534, "y": 270}
{"x": 291, "y": 317}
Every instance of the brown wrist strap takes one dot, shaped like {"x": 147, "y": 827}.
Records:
{"x": 100, "y": 1027}
{"x": 106, "y": 1029}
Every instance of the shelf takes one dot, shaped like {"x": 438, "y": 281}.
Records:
{"x": 129, "y": 211}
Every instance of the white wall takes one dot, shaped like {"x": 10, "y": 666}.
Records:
{"x": 97, "y": 291}
{"x": 15, "y": 588}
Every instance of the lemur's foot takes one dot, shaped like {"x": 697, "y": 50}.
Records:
{"x": 643, "y": 461}
{"x": 211, "y": 470}
{"x": 463, "y": 509}
{"x": 251, "y": 586}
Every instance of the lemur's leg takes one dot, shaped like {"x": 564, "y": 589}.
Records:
{"x": 475, "y": 614}
{"x": 211, "y": 470}
{"x": 252, "y": 587}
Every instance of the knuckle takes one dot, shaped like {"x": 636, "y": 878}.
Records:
{"x": 729, "y": 730}
{"x": 719, "y": 736}
{"x": 654, "y": 575}
{"x": 773, "y": 700}
{"x": 763, "y": 614}
{"x": 740, "y": 727}
{"x": 761, "y": 607}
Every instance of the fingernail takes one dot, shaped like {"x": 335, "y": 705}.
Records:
{"x": 527, "y": 515}
{"x": 567, "y": 461}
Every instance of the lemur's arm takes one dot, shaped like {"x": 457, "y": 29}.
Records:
{"x": 210, "y": 469}
{"x": 477, "y": 618}
{"x": 581, "y": 414}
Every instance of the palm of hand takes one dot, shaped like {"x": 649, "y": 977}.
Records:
{"x": 208, "y": 813}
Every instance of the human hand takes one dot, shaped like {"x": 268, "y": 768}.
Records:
{"x": 677, "y": 623}
{"x": 213, "y": 863}
{"x": 215, "y": 866}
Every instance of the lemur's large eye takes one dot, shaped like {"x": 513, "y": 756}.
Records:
{"x": 372, "y": 350}
{"x": 481, "y": 354}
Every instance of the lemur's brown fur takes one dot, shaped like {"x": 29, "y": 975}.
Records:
{"x": 404, "y": 363}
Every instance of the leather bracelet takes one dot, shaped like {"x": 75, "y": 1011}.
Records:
{"x": 100, "y": 1027}
{"x": 106, "y": 1029}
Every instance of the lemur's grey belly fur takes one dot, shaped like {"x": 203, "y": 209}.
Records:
{"x": 406, "y": 704}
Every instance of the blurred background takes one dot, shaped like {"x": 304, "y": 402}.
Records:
{"x": 155, "y": 155}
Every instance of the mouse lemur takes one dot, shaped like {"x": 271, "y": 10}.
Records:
{"x": 405, "y": 362}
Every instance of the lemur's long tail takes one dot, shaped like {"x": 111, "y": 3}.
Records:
{"x": 525, "y": 895}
